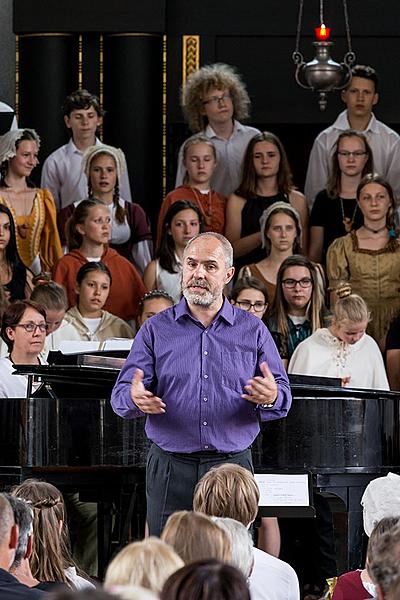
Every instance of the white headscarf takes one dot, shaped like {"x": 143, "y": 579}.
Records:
{"x": 381, "y": 499}
{"x": 8, "y": 142}
{"x": 93, "y": 151}
{"x": 278, "y": 206}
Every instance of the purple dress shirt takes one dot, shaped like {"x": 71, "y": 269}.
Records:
{"x": 200, "y": 372}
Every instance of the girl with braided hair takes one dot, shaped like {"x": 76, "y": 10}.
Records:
{"x": 51, "y": 559}
{"x": 130, "y": 232}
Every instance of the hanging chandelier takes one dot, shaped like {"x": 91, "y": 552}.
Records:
{"x": 322, "y": 74}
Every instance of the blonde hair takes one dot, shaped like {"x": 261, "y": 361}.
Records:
{"x": 196, "y": 537}
{"x": 198, "y": 138}
{"x": 51, "y": 295}
{"x": 228, "y": 490}
{"x": 218, "y": 76}
{"x": 148, "y": 563}
{"x": 349, "y": 308}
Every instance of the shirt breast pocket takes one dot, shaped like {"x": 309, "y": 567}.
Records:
{"x": 237, "y": 368}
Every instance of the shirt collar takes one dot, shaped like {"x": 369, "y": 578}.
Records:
{"x": 72, "y": 149}
{"x": 226, "y": 312}
{"x": 237, "y": 127}
{"x": 342, "y": 122}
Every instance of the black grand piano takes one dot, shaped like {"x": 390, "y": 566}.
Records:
{"x": 68, "y": 434}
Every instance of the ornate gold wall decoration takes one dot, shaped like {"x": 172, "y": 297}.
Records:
{"x": 190, "y": 55}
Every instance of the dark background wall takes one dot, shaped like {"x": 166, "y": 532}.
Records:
{"x": 257, "y": 37}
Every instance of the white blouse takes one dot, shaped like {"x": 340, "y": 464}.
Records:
{"x": 325, "y": 355}
{"x": 12, "y": 386}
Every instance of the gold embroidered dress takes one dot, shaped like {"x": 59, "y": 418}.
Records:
{"x": 38, "y": 241}
{"x": 373, "y": 274}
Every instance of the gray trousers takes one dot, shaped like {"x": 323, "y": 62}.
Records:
{"x": 171, "y": 478}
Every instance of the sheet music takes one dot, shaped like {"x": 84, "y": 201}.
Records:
{"x": 283, "y": 489}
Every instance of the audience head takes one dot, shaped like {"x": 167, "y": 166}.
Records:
{"x": 8, "y": 534}
{"x": 148, "y": 563}
{"x": 384, "y": 560}
{"x": 394, "y": 590}
{"x": 133, "y": 592}
{"x": 265, "y": 157}
{"x": 93, "y": 284}
{"x": 205, "y": 85}
{"x": 380, "y": 500}
{"x": 350, "y": 316}
{"x": 199, "y": 159}
{"x": 24, "y": 327}
{"x": 241, "y": 544}
{"x": 53, "y": 298}
{"x": 23, "y": 518}
{"x": 91, "y": 221}
{"x": 152, "y": 303}
{"x": 298, "y": 292}
{"x": 281, "y": 228}
{"x": 376, "y": 200}
{"x": 250, "y": 294}
{"x": 182, "y": 221}
{"x": 18, "y": 153}
{"x": 228, "y": 490}
{"x": 206, "y": 580}
{"x": 194, "y": 536}
{"x": 381, "y": 528}
{"x": 49, "y": 530}
{"x": 352, "y": 156}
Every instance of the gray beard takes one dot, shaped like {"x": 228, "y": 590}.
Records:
{"x": 205, "y": 300}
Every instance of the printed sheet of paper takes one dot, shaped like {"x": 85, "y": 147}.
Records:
{"x": 283, "y": 489}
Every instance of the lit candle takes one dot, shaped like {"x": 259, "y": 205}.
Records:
{"x": 322, "y": 33}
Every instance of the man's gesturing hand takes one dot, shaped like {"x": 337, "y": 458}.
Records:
{"x": 144, "y": 400}
{"x": 262, "y": 390}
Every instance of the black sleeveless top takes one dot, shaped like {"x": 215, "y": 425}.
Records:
{"x": 17, "y": 286}
{"x": 251, "y": 214}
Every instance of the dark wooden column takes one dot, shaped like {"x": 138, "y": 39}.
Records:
{"x": 132, "y": 83}
{"x": 47, "y": 72}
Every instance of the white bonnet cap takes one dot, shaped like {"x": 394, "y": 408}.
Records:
{"x": 381, "y": 499}
{"x": 8, "y": 142}
{"x": 278, "y": 207}
{"x": 93, "y": 151}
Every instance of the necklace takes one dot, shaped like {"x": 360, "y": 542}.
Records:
{"x": 374, "y": 230}
{"x": 347, "y": 222}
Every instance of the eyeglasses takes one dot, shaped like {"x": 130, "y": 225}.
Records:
{"x": 218, "y": 99}
{"x": 31, "y": 327}
{"x": 356, "y": 153}
{"x": 305, "y": 282}
{"x": 246, "y": 305}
